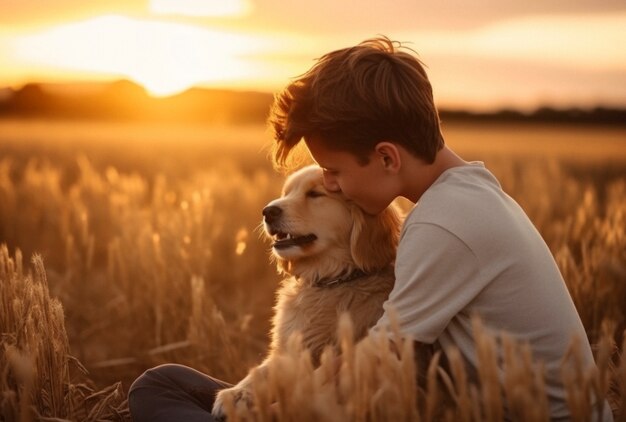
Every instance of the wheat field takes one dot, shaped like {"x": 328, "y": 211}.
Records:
{"x": 127, "y": 247}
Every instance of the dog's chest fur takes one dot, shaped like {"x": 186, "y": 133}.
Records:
{"x": 314, "y": 311}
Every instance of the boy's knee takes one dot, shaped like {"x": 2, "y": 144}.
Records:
{"x": 144, "y": 395}
{"x": 172, "y": 392}
{"x": 158, "y": 377}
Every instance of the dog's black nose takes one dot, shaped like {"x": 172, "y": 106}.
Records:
{"x": 271, "y": 213}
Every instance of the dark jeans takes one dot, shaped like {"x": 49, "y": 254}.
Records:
{"x": 173, "y": 393}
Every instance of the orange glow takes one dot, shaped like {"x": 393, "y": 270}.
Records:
{"x": 164, "y": 57}
{"x": 201, "y": 7}
{"x": 167, "y": 46}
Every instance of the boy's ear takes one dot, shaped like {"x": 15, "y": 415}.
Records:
{"x": 389, "y": 155}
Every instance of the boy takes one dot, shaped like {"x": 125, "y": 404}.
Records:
{"x": 367, "y": 117}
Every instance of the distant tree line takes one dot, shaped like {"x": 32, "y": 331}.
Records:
{"x": 125, "y": 100}
{"x": 596, "y": 115}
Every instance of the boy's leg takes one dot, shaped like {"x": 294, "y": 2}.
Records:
{"x": 173, "y": 393}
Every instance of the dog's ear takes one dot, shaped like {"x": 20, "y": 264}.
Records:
{"x": 374, "y": 239}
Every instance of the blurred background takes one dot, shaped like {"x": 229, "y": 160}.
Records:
{"x": 163, "y": 70}
{"x": 482, "y": 56}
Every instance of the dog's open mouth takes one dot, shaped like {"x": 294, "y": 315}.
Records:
{"x": 287, "y": 240}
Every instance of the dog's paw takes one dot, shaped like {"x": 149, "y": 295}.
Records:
{"x": 240, "y": 399}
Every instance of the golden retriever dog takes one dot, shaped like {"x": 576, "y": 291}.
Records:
{"x": 337, "y": 260}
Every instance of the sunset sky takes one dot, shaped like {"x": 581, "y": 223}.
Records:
{"x": 482, "y": 54}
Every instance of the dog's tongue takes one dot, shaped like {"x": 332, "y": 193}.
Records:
{"x": 294, "y": 241}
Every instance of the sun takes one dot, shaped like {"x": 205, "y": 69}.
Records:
{"x": 165, "y": 57}
{"x": 201, "y": 7}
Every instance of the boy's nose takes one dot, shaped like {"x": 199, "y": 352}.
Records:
{"x": 330, "y": 183}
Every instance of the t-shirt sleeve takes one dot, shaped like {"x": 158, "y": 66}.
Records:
{"x": 437, "y": 275}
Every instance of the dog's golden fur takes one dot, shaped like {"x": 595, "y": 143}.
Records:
{"x": 337, "y": 260}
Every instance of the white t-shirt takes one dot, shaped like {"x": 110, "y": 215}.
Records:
{"x": 467, "y": 247}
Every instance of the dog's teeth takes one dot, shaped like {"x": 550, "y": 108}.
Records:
{"x": 289, "y": 236}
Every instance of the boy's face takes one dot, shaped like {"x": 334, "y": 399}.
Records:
{"x": 368, "y": 186}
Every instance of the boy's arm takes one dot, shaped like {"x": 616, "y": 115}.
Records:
{"x": 437, "y": 275}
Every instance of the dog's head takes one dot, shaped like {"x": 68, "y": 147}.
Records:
{"x": 317, "y": 233}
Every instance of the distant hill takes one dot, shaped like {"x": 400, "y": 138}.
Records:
{"x": 125, "y": 100}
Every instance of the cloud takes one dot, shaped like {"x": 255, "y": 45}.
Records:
{"x": 584, "y": 41}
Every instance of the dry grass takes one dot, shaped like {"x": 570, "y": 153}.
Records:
{"x": 40, "y": 379}
{"x": 153, "y": 267}
{"x": 376, "y": 384}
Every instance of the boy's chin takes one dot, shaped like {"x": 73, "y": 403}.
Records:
{"x": 372, "y": 210}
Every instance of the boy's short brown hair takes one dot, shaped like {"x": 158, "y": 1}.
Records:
{"x": 354, "y": 98}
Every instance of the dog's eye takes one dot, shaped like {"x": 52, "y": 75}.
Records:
{"x": 314, "y": 194}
